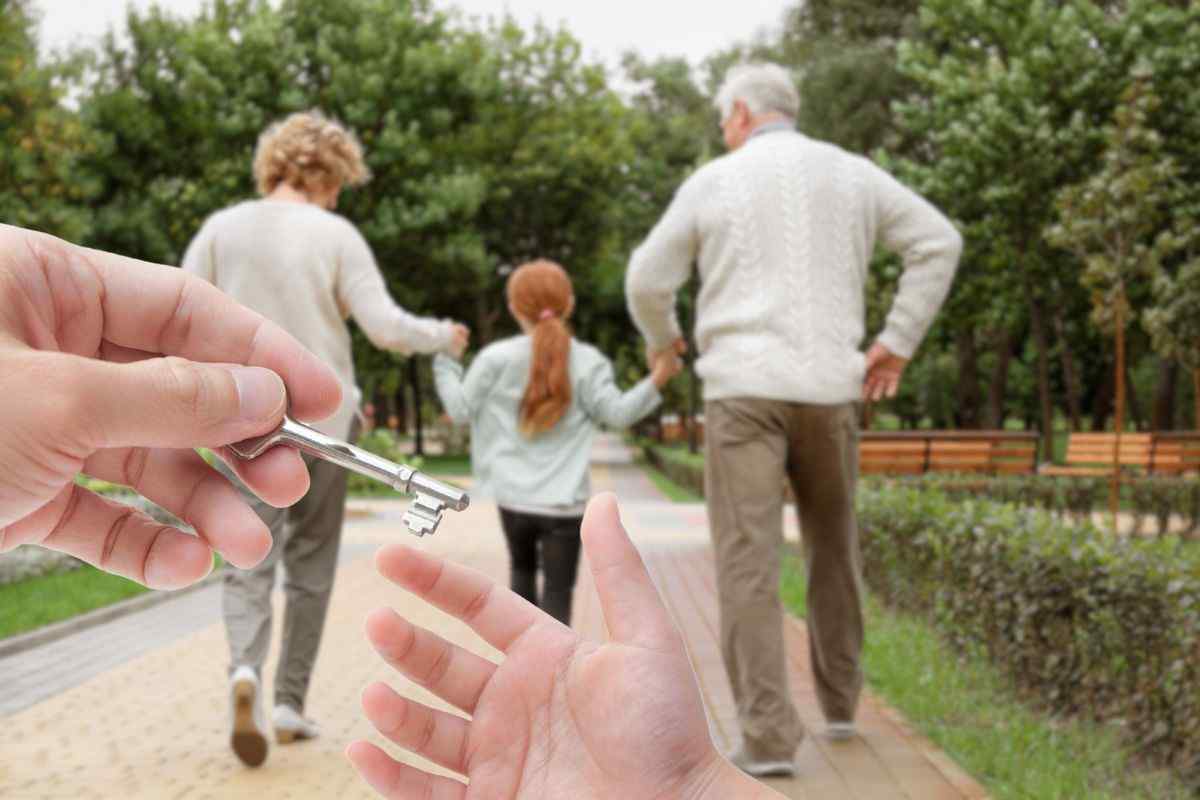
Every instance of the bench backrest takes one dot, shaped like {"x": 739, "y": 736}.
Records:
{"x": 892, "y": 457}
{"x": 950, "y": 456}
{"x": 1136, "y": 449}
{"x": 1014, "y": 457}
{"x": 1176, "y": 453}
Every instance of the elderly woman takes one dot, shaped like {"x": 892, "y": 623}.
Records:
{"x": 290, "y": 258}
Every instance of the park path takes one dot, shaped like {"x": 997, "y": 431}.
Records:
{"x": 136, "y": 708}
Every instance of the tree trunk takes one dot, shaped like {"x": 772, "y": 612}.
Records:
{"x": 1136, "y": 409}
{"x": 999, "y": 388}
{"x": 1038, "y": 324}
{"x": 1196, "y": 399}
{"x": 1103, "y": 402}
{"x": 1165, "y": 389}
{"x": 414, "y": 377}
{"x": 1114, "y": 499}
{"x": 968, "y": 399}
{"x": 1070, "y": 376}
{"x": 400, "y": 408}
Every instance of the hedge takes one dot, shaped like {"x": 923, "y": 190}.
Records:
{"x": 1086, "y": 623}
{"x": 1152, "y": 501}
{"x": 1155, "y": 499}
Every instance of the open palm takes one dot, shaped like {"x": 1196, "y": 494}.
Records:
{"x": 560, "y": 716}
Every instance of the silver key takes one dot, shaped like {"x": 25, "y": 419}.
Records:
{"x": 432, "y": 497}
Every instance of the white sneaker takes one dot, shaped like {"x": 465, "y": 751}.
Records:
{"x": 249, "y": 740}
{"x": 290, "y": 726}
{"x": 841, "y": 731}
{"x": 758, "y": 767}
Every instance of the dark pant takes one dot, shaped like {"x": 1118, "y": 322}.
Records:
{"x": 751, "y": 445}
{"x": 557, "y": 539}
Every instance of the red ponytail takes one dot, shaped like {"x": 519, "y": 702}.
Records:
{"x": 541, "y": 293}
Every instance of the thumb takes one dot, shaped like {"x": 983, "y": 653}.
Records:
{"x": 633, "y": 609}
{"x": 172, "y": 402}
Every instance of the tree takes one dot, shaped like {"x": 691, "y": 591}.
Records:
{"x": 39, "y": 138}
{"x": 488, "y": 146}
{"x": 1116, "y": 223}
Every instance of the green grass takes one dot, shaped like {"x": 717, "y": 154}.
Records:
{"x": 674, "y": 492}
{"x": 962, "y": 704}
{"x": 35, "y": 602}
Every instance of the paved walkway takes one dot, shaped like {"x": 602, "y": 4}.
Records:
{"x": 148, "y": 720}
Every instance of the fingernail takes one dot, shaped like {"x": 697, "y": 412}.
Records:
{"x": 260, "y": 393}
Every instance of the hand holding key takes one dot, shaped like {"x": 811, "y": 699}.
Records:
{"x": 118, "y": 368}
{"x": 433, "y": 497}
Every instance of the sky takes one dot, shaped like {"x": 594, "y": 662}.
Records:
{"x": 607, "y": 28}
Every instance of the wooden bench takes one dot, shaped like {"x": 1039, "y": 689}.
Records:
{"x": 918, "y": 452}
{"x": 1092, "y": 455}
{"x": 1176, "y": 453}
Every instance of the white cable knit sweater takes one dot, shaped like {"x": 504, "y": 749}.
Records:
{"x": 783, "y": 230}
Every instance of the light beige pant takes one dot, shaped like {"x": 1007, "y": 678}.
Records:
{"x": 753, "y": 444}
{"x": 306, "y": 539}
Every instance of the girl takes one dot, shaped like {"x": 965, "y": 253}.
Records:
{"x": 533, "y": 402}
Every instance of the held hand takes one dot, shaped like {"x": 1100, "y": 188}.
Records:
{"x": 665, "y": 367}
{"x": 118, "y": 368}
{"x": 678, "y": 348}
{"x": 560, "y": 716}
{"x": 884, "y": 371}
{"x": 459, "y": 341}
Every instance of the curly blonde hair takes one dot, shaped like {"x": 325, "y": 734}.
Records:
{"x": 308, "y": 151}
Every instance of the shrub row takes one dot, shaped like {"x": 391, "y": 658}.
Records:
{"x": 1088, "y": 624}
{"x": 1153, "y": 501}
{"x": 678, "y": 464}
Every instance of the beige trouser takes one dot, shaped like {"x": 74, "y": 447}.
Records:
{"x": 752, "y": 444}
{"x": 306, "y": 539}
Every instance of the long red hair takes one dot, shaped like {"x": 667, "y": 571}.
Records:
{"x": 541, "y": 292}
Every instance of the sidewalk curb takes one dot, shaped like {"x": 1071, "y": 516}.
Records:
{"x": 60, "y": 630}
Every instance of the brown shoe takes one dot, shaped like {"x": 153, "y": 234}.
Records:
{"x": 247, "y": 739}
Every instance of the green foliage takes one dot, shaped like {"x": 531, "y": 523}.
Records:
{"x": 488, "y": 146}
{"x": 960, "y": 701}
{"x": 1093, "y": 626}
{"x": 684, "y": 469}
{"x": 35, "y": 602}
{"x": 40, "y": 139}
{"x": 1117, "y": 221}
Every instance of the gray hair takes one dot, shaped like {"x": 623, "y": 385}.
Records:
{"x": 764, "y": 88}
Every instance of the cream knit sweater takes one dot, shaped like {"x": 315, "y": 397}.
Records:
{"x": 309, "y": 270}
{"x": 783, "y": 230}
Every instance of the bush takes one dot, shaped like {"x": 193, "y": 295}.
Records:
{"x": 684, "y": 468}
{"x": 1103, "y": 628}
{"x": 1153, "y": 498}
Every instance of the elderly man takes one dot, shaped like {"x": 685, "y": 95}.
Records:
{"x": 783, "y": 229}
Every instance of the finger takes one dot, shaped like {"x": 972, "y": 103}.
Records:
{"x": 893, "y": 386}
{"x": 434, "y": 735}
{"x": 115, "y": 538}
{"x": 632, "y": 606}
{"x": 396, "y": 781}
{"x": 180, "y": 482}
{"x": 159, "y": 309}
{"x": 123, "y": 355}
{"x": 450, "y": 672}
{"x": 495, "y": 613}
{"x": 164, "y": 402}
{"x": 279, "y": 476}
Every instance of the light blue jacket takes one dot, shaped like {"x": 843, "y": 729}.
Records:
{"x": 551, "y": 469}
